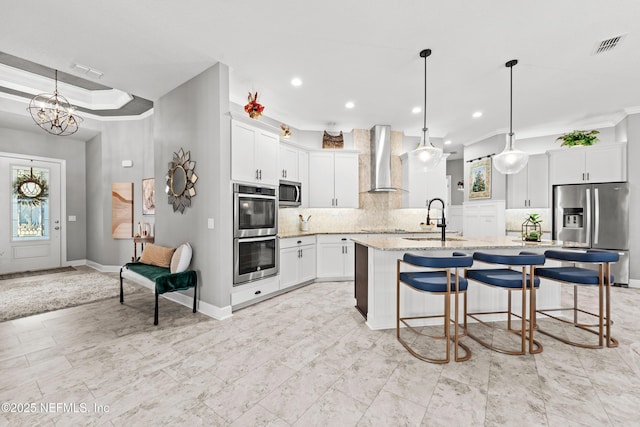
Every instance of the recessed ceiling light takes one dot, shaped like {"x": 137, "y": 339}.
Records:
{"x": 447, "y": 142}
{"x": 416, "y": 110}
{"x": 477, "y": 114}
{"x": 349, "y": 104}
{"x": 296, "y": 81}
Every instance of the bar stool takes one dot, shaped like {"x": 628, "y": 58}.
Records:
{"x": 511, "y": 280}
{"x": 575, "y": 276}
{"x": 440, "y": 280}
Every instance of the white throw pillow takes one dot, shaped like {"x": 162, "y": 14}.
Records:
{"x": 181, "y": 258}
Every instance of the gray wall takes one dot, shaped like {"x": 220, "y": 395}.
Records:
{"x": 119, "y": 140}
{"x": 41, "y": 144}
{"x": 455, "y": 168}
{"x": 195, "y": 117}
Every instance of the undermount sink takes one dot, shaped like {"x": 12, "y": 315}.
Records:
{"x": 420, "y": 239}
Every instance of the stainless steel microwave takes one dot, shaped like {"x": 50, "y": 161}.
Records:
{"x": 290, "y": 194}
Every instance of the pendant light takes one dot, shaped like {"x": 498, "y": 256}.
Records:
{"x": 428, "y": 154}
{"x": 510, "y": 161}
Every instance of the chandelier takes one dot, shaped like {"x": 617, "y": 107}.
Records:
{"x": 428, "y": 154}
{"x": 53, "y": 113}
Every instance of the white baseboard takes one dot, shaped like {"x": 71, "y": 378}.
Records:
{"x": 218, "y": 313}
{"x": 634, "y": 283}
{"x": 75, "y": 263}
{"x": 104, "y": 268}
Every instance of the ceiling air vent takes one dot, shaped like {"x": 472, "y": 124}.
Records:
{"x": 608, "y": 44}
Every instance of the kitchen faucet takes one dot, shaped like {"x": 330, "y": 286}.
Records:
{"x": 443, "y": 223}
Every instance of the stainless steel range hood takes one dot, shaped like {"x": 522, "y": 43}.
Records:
{"x": 381, "y": 159}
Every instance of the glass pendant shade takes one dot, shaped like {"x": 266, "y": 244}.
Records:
{"x": 428, "y": 155}
{"x": 510, "y": 161}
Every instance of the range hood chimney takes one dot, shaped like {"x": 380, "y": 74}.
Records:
{"x": 381, "y": 159}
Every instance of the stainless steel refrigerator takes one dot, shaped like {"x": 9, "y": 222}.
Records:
{"x": 595, "y": 216}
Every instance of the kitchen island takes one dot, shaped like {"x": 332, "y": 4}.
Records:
{"x": 375, "y": 276}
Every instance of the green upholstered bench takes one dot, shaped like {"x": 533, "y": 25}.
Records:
{"x": 161, "y": 279}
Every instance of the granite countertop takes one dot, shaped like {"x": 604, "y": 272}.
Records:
{"x": 435, "y": 233}
{"x": 406, "y": 244}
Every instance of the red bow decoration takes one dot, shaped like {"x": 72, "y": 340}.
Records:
{"x": 253, "y": 108}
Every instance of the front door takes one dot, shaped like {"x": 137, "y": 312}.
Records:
{"x": 30, "y": 214}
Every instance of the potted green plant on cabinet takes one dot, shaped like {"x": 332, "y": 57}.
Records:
{"x": 579, "y": 137}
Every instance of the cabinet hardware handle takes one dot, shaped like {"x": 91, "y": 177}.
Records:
{"x": 258, "y": 292}
{"x": 286, "y": 173}
{"x": 346, "y": 249}
{"x": 344, "y": 239}
{"x": 256, "y": 173}
{"x": 299, "y": 241}
{"x": 260, "y": 174}
{"x": 583, "y": 176}
{"x": 336, "y": 201}
{"x": 587, "y": 176}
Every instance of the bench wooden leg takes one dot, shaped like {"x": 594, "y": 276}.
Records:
{"x": 195, "y": 288}
{"x": 155, "y": 315}
{"x": 121, "y": 290}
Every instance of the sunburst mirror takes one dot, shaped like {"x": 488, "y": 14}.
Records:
{"x": 181, "y": 180}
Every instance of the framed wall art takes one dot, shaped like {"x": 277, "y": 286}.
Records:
{"x": 122, "y": 210}
{"x": 148, "y": 196}
{"x": 480, "y": 179}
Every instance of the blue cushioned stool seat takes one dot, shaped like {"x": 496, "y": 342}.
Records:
{"x": 503, "y": 277}
{"x": 575, "y": 276}
{"x": 581, "y": 276}
{"x": 432, "y": 281}
{"x": 518, "y": 277}
{"x": 431, "y": 274}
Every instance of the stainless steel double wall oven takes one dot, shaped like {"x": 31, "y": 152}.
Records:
{"x": 255, "y": 228}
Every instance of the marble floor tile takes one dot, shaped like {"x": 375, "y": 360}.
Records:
{"x": 333, "y": 408}
{"x": 389, "y": 409}
{"x": 293, "y": 397}
{"x": 238, "y": 397}
{"x": 304, "y": 358}
{"x": 259, "y": 417}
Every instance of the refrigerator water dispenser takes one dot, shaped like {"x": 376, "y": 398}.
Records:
{"x": 572, "y": 218}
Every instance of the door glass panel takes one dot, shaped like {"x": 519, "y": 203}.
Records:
{"x": 256, "y": 213}
{"x": 29, "y": 203}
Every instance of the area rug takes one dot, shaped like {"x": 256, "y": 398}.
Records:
{"x": 32, "y": 295}
{"x": 35, "y": 273}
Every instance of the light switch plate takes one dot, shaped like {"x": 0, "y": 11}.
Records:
{"x": 72, "y": 218}
{"x": 210, "y": 223}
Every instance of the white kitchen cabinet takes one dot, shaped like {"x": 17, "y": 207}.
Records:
{"x": 303, "y": 176}
{"x": 288, "y": 162}
{"x": 333, "y": 180}
{"x": 336, "y": 257}
{"x": 422, "y": 185}
{"x": 529, "y": 188}
{"x": 253, "y": 291}
{"x": 483, "y": 219}
{"x": 297, "y": 261}
{"x": 254, "y": 154}
{"x": 593, "y": 164}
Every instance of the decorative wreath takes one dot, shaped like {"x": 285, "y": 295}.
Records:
{"x": 31, "y": 190}
{"x": 253, "y": 108}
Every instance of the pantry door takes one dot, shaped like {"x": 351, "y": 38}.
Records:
{"x": 30, "y": 213}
